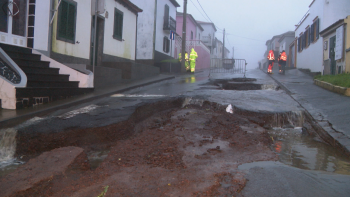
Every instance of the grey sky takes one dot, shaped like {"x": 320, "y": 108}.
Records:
{"x": 249, "y": 23}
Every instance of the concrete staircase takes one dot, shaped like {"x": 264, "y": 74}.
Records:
{"x": 44, "y": 84}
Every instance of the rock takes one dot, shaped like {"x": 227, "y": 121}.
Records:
{"x": 42, "y": 169}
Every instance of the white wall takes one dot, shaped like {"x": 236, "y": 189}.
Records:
{"x": 160, "y": 33}
{"x": 311, "y": 57}
{"x": 114, "y": 47}
{"x": 145, "y": 29}
{"x": 328, "y": 13}
{"x": 82, "y": 33}
{"x": 335, "y": 10}
{"x": 208, "y": 30}
{"x": 41, "y": 24}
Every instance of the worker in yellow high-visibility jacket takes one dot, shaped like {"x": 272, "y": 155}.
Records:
{"x": 187, "y": 65}
{"x": 193, "y": 57}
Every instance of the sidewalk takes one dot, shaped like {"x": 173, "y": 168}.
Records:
{"x": 9, "y": 118}
{"x": 331, "y": 111}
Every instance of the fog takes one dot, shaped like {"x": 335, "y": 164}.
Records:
{"x": 248, "y": 24}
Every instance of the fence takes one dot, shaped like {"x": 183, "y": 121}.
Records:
{"x": 218, "y": 65}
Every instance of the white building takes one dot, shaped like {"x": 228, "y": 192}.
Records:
{"x": 208, "y": 35}
{"x": 321, "y": 14}
{"x": 154, "y": 25}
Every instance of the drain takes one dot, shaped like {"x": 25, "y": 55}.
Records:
{"x": 241, "y": 86}
{"x": 243, "y": 79}
{"x": 238, "y": 84}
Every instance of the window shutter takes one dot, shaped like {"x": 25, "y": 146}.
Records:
{"x": 164, "y": 44}
{"x": 71, "y": 22}
{"x": 309, "y": 36}
{"x": 118, "y": 24}
{"x": 166, "y": 16}
{"x": 317, "y": 28}
{"x": 62, "y": 26}
{"x": 168, "y": 45}
{"x": 312, "y": 32}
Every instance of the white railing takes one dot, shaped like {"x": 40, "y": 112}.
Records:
{"x": 196, "y": 43}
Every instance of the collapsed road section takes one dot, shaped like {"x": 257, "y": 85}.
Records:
{"x": 181, "y": 146}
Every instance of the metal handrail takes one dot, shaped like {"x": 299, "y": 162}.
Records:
{"x": 55, "y": 11}
{"x": 303, "y": 18}
{"x": 13, "y": 66}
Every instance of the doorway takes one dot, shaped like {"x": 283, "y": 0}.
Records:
{"x": 332, "y": 43}
{"x": 13, "y": 22}
{"x": 99, "y": 40}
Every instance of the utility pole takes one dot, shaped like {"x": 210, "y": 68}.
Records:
{"x": 95, "y": 32}
{"x": 223, "y": 47}
{"x": 183, "y": 68}
{"x": 233, "y": 52}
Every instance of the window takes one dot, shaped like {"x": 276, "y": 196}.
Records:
{"x": 191, "y": 35}
{"x": 307, "y": 40}
{"x": 300, "y": 42}
{"x": 316, "y": 30}
{"x": 166, "y": 16}
{"x": 67, "y": 21}
{"x": 166, "y": 44}
{"x": 118, "y": 24}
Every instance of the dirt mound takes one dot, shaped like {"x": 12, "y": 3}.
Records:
{"x": 190, "y": 151}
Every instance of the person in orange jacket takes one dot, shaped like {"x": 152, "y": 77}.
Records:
{"x": 271, "y": 58}
{"x": 282, "y": 61}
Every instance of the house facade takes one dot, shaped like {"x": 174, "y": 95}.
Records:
{"x": 62, "y": 33}
{"x": 208, "y": 35}
{"x": 285, "y": 41}
{"x": 309, "y": 46}
{"x": 193, "y": 32}
{"x": 154, "y": 26}
{"x": 336, "y": 47}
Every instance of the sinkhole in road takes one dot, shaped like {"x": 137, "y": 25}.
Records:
{"x": 239, "y": 84}
{"x": 179, "y": 117}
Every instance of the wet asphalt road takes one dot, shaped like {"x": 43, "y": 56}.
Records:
{"x": 269, "y": 180}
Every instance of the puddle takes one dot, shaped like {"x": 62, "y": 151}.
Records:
{"x": 238, "y": 84}
{"x": 97, "y": 157}
{"x": 298, "y": 150}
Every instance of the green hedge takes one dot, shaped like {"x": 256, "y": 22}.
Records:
{"x": 342, "y": 80}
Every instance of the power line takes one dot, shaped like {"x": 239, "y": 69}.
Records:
{"x": 217, "y": 26}
{"x": 208, "y": 16}
{"x": 198, "y": 10}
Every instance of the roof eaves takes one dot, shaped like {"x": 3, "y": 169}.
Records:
{"x": 174, "y": 2}
{"x": 333, "y": 26}
{"x": 132, "y": 7}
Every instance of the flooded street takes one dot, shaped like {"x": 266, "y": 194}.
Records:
{"x": 174, "y": 138}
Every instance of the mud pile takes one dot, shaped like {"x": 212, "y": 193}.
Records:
{"x": 162, "y": 150}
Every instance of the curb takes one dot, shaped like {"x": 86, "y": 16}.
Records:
{"x": 332, "y": 88}
{"x": 15, "y": 120}
{"x": 323, "y": 128}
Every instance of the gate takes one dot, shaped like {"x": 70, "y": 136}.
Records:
{"x": 218, "y": 65}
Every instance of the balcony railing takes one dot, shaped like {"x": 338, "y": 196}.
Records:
{"x": 170, "y": 24}
{"x": 207, "y": 41}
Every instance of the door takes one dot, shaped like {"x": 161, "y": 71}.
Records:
{"x": 13, "y": 22}
{"x": 332, "y": 54}
{"x": 99, "y": 40}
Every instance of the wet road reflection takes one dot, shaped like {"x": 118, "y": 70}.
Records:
{"x": 303, "y": 152}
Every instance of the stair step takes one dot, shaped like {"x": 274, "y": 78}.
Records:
{"x": 47, "y": 77}
{"x": 53, "y": 84}
{"x": 25, "y": 56}
{"x": 30, "y": 92}
{"x": 39, "y": 70}
{"x": 7, "y": 48}
{"x": 24, "y": 62}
